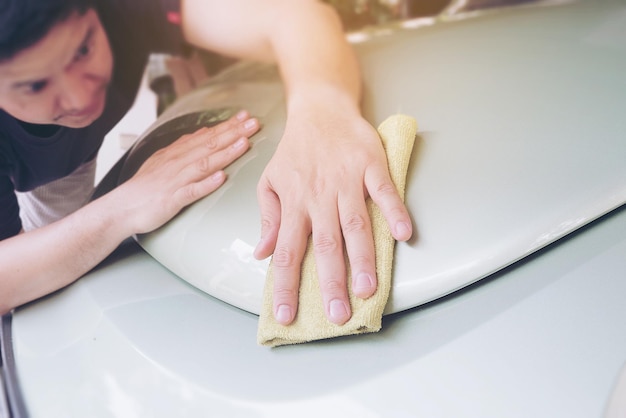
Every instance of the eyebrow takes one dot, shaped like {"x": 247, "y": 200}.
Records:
{"x": 19, "y": 84}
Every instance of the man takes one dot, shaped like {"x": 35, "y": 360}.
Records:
{"x": 69, "y": 69}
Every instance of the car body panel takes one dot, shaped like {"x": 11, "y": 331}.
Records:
{"x": 541, "y": 338}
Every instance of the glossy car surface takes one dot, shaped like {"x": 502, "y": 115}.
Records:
{"x": 518, "y": 179}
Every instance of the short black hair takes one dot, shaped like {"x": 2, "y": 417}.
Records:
{"x": 25, "y": 22}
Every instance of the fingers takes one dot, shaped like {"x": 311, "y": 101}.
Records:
{"x": 270, "y": 220}
{"x": 194, "y": 191}
{"x": 206, "y": 175}
{"x": 357, "y": 233}
{"x": 285, "y": 232}
{"x": 288, "y": 251}
{"x": 204, "y": 153}
{"x": 331, "y": 268}
{"x": 327, "y": 243}
{"x": 185, "y": 171}
{"x": 201, "y": 165}
{"x": 287, "y": 259}
{"x": 208, "y": 140}
{"x": 350, "y": 223}
{"x": 384, "y": 194}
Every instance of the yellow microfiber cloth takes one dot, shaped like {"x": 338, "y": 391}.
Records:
{"x": 398, "y": 135}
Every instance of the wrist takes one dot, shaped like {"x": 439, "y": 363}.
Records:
{"x": 324, "y": 95}
{"x": 110, "y": 215}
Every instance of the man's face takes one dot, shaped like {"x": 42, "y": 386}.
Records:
{"x": 62, "y": 79}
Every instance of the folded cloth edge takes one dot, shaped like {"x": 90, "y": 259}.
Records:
{"x": 397, "y": 134}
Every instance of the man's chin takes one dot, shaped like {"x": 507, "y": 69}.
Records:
{"x": 76, "y": 124}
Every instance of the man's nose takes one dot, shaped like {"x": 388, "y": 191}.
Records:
{"x": 75, "y": 93}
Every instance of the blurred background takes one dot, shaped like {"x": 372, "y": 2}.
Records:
{"x": 357, "y": 14}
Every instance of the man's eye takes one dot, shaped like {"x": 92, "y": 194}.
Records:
{"x": 37, "y": 86}
{"x": 83, "y": 51}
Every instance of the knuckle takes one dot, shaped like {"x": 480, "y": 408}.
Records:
{"x": 325, "y": 244}
{"x": 398, "y": 212}
{"x": 354, "y": 223}
{"x": 283, "y": 258}
{"x": 208, "y": 136}
{"x": 361, "y": 260}
{"x": 203, "y": 165}
{"x": 386, "y": 188}
{"x": 333, "y": 286}
{"x": 285, "y": 293}
{"x": 211, "y": 142}
{"x": 189, "y": 193}
{"x": 266, "y": 223}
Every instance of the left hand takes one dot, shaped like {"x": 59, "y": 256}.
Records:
{"x": 327, "y": 163}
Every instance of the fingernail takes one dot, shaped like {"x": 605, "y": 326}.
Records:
{"x": 251, "y": 123}
{"x": 403, "y": 230}
{"x": 218, "y": 176}
{"x": 338, "y": 311}
{"x": 241, "y": 115}
{"x": 239, "y": 143}
{"x": 362, "y": 284}
{"x": 283, "y": 314}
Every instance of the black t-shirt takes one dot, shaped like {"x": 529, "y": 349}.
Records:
{"x": 33, "y": 155}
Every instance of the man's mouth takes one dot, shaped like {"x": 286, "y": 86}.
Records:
{"x": 91, "y": 112}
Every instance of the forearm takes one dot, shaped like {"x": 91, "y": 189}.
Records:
{"x": 39, "y": 262}
{"x": 314, "y": 57}
{"x": 304, "y": 37}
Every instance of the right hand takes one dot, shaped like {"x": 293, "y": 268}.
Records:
{"x": 183, "y": 172}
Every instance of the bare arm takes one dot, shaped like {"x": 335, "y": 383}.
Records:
{"x": 329, "y": 159}
{"x": 38, "y": 262}
{"x": 304, "y": 37}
